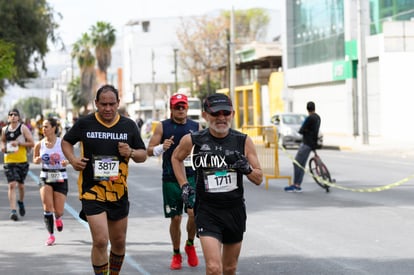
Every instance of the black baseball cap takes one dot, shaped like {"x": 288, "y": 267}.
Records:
{"x": 217, "y": 102}
{"x": 14, "y": 110}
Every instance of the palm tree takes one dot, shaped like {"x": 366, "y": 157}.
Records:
{"x": 86, "y": 62}
{"x": 74, "y": 90}
{"x": 103, "y": 39}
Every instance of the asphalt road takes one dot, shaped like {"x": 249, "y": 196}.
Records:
{"x": 313, "y": 232}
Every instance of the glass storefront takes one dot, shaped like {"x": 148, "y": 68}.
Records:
{"x": 315, "y": 28}
{"x": 315, "y": 31}
{"x": 389, "y": 10}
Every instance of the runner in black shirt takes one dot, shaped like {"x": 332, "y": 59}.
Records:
{"x": 108, "y": 141}
{"x": 220, "y": 156}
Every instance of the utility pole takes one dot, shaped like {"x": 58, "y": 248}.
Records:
{"x": 363, "y": 70}
{"x": 232, "y": 61}
{"x": 175, "y": 70}
{"x": 154, "y": 111}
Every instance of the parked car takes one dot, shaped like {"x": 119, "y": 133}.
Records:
{"x": 288, "y": 125}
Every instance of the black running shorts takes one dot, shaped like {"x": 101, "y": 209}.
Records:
{"x": 114, "y": 210}
{"x": 227, "y": 225}
{"x": 61, "y": 187}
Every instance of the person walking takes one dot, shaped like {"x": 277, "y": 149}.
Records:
{"x": 309, "y": 131}
{"x": 53, "y": 181}
{"x": 108, "y": 141}
{"x": 165, "y": 139}
{"x": 220, "y": 156}
{"x": 16, "y": 139}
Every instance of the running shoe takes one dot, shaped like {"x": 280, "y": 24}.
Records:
{"x": 293, "y": 188}
{"x": 192, "y": 258}
{"x": 59, "y": 224}
{"x": 13, "y": 215}
{"x": 50, "y": 241}
{"x": 22, "y": 210}
{"x": 176, "y": 261}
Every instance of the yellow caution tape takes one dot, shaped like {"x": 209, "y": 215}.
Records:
{"x": 332, "y": 184}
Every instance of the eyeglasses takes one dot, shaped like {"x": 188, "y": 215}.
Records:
{"x": 13, "y": 114}
{"x": 180, "y": 107}
{"x": 219, "y": 113}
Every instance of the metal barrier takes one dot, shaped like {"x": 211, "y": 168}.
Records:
{"x": 265, "y": 140}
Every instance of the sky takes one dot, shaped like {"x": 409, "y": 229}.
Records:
{"x": 79, "y": 15}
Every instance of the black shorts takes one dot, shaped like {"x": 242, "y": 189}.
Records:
{"x": 114, "y": 210}
{"x": 16, "y": 171}
{"x": 226, "y": 225}
{"x": 61, "y": 187}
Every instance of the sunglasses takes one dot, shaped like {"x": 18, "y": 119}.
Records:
{"x": 13, "y": 114}
{"x": 180, "y": 107}
{"x": 222, "y": 112}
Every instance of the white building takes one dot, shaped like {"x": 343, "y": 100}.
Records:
{"x": 323, "y": 58}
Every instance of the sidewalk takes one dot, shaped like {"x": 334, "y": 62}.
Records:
{"x": 375, "y": 144}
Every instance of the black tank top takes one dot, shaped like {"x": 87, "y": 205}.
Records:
{"x": 212, "y": 159}
{"x": 13, "y": 135}
{"x": 170, "y": 128}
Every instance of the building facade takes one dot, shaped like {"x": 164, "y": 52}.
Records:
{"x": 353, "y": 59}
{"x": 149, "y": 46}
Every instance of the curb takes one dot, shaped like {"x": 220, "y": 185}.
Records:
{"x": 336, "y": 147}
{"x": 331, "y": 147}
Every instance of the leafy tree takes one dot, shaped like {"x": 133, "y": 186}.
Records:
{"x": 32, "y": 106}
{"x": 206, "y": 88}
{"x": 27, "y": 25}
{"x": 86, "y": 61}
{"x": 7, "y": 68}
{"x": 205, "y": 42}
{"x": 204, "y": 48}
{"x": 75, "y": 92}
{"x": 250, "y": 25}
{"x": 103, "y": 39}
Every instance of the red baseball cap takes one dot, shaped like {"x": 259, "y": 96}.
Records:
{"x": 178, "y": 98}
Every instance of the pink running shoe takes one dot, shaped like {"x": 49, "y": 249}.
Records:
{"x": 50, "y": 241}
{"x": 192, "y": 258}
{"x": 59, "y": 224}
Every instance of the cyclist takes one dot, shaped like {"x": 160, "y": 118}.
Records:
{"x": 309, "y": 130}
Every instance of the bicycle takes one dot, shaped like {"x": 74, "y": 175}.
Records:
{"x": 320, "y": 172}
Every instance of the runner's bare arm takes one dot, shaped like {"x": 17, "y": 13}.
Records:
{"x": 180, "y": 153}
{"x": 256, "y": 176}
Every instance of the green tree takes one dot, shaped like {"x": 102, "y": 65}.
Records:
{"x": 81, "y": 51}
{"x": 75, "y": 92}
{"x": 32, "y": 106}
{"x": 28, "y": 25}
{"x": 204, "y": 50}
{"x": 103, "y": 39}
{"x": 250, "y": 25}
{"x": 7, "y": 68}
{"x": 204, "y": 43}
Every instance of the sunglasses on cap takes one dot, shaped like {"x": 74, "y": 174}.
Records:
{"x": 222, "y": 112}
{"x": 180, "y": 107}
{"x": 13, "y": 114}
